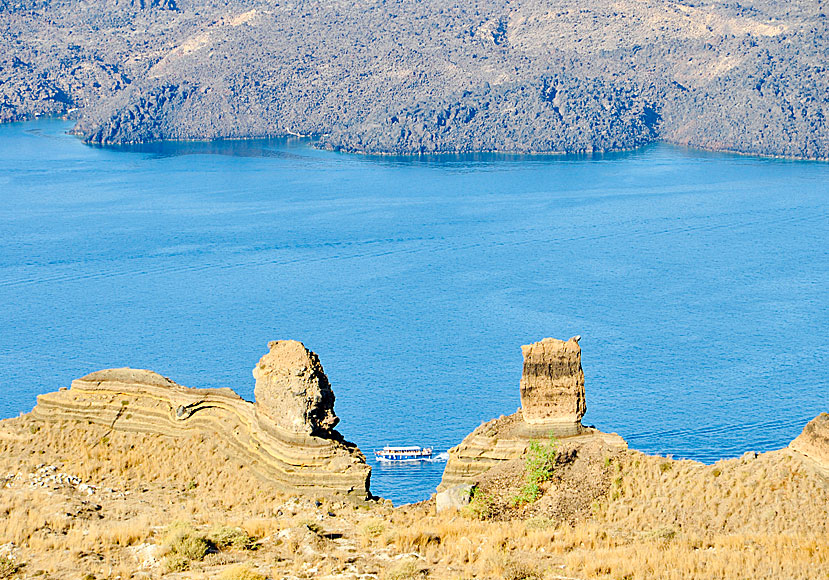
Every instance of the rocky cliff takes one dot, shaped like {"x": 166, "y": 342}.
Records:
{"x": 422, "y": 77}
{"x": 552, "y": 404}
{"x": 286, "y": 436}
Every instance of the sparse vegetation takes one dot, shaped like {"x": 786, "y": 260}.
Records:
{"x": 481, "y": 505}
{"x": 8, "y": 567}
{"x": 406, "y": 570}
{"x": 183, "y": 545}
{"x": 234, "y": 538}
{"x": 759, "y": 519}
{"x": 373, "y": 528}
{"x": 540, "y": 463}
{"x": 514, "y": 570}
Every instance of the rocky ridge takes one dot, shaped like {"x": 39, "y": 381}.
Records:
{"x": 428, "y": 77}
{"x": 287, "y": 437}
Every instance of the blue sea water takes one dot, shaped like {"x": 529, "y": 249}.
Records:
{"x": 698, "y": 282}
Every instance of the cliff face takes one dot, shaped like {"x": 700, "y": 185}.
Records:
{"x": 552, "y": 404}
{"x": 287, "y": 437}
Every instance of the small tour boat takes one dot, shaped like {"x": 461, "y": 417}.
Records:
{"x": 409, "y": 453}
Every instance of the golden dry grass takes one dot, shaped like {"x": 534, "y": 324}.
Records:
{"x": 763, "y": 518}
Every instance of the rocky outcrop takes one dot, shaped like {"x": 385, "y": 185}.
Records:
{"x": 552, "y": 384}
{"x": 286, "y": 438}
{"x": 454, "y": 498}
{"x": 292, "y": 389}
{"x": 553, "y": 403}
{"x": 813, "y": 442}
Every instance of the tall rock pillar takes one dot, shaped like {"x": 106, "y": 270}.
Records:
{"x": 552, "y": 384}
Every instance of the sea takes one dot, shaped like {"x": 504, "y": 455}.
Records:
{"x": 699, "y": 283}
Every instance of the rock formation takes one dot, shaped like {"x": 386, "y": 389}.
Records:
{"x": 552, "y": 384}
{"x": 292, "y": 389}
{"x": 287, "y": 437}
{"x": 813, "y": 442}
{"x": 553, "y": 403}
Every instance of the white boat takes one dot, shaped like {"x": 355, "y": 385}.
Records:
{"x": 408, "y": 453}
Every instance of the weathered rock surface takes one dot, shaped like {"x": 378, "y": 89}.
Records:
{"x": 430, "y": 76}
{"x": 813, "y": 442}
{"x": 553, "y": 403}
{"x": 504, "y": 439}
{"x": 453, "y": 498}
{"x": 262, "y": 435}
{"x": 292, "y": 389}
{"x": 552, "y": 383}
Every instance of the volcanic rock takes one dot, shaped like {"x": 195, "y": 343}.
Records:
{"x": 292, "y": 389}
{"x": 286, "y": 439}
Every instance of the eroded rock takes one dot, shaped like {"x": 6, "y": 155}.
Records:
{"x": 287, "y": 437}
{"x": 552, "y": 404}
{"x": 292, "y": 389}
{"x": 552, "y": 384}
{"x": 454, "y": 498}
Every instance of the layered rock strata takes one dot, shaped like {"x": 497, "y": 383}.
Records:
{"x": 813, "y": 442}
{"x": 552, "y": 384}
{"x": 286, "y": 438}
{"x": 552, "y": 404}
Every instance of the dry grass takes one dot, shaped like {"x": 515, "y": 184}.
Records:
{"x": 240, "y": 572}
{"x": 760, "y": 518}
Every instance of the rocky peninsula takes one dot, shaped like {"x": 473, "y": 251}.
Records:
{"x": 435, "y": 76}
{"x": 128, "y": 475}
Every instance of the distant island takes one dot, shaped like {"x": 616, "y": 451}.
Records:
{"x": 394, "y": 77}
{"x": 130, "y": 475}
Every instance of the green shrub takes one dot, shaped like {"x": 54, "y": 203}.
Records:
{"x": 541, "y": 460}
{"x": 183, "y": 540}
{"x": 539, "y": 466}
{"x": 481, "y": 506}
{"x": 528, "y": 494}
{"x": 232, "y": 538}
{"x": 8, "y": 567}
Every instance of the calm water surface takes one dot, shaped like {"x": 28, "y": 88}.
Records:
{"x": 697, "y": 281}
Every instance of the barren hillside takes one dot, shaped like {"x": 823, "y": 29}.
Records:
{"x": 431, "y": 76}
